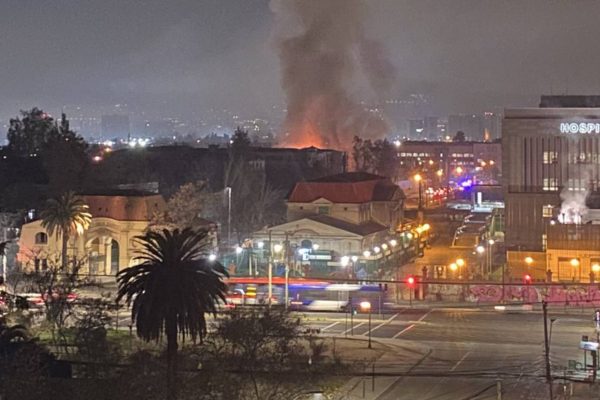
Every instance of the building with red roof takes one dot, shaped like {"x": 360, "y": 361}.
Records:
{"x": 108, "y": 245}
{"x": 346, "y": 219}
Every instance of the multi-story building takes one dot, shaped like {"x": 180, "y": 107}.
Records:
{"x": 552, "y": 173}
{"x": 346, "y": 218}
{"x": 456, "y": 160}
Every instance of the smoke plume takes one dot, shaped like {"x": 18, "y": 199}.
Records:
{"x": 573, "y": 208}
{"x": 323, "y": 50}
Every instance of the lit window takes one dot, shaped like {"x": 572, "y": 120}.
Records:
{"x": 550, "y": 184}
{"x": 544, "y": 241}
{"x": 547, "y": 211}
{"x": 550, "y": 157}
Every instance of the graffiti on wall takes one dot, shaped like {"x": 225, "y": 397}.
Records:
{"x": 569, "y": 295}
{"x": 572, "y": 295}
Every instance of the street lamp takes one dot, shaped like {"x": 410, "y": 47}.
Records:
{"x": 228, "y": 190}
{"x": 419, "y": 180}
{"x": 595, "y": 270}
{"x": 460, "y": 263}
{"x": 490, "y": 256}
{"x": 574, "y": 262}
{"x": 277, "y": 249}
{"x": 480, "y": 250}
{"x": 344, "y": 261}
{"x": 212, "y": 257}
{"x": 453, "y": 267}
{"x": 354, "y": 260}
{"x": 366, "y": 306}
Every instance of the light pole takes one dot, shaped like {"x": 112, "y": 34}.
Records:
{"x": 366, "y": 306}
{"x": 547, "y": 348}
{"x": 276, "y": 249}
{"x": 480, "y": 250}
{"x": 460, "y": 263}
{"x": 490, "y": 243}
{"x": 595, "y": 271}
{"x": 419, "y": 180}
{"x": 453, "y": 267}
{"x": 228, "y": 190}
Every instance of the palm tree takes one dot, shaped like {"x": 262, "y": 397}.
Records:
{"x": 172, "y": 289}
{"x": 66, "y": 216}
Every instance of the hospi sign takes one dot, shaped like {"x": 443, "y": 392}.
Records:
{"x": 579, "y": 127}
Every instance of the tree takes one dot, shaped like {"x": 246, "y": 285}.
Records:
{"x": 241, "y": 139}
{"x": 171, "y": 290}
{"x": 459, "y": 137}
{"x": 36, "y": 138}
{"x": 378, "y": 157}
{"x": 187, "y": 206}
{"x": 66, "y": 216}
{"x": 29, "y": 134}
{"x": 266, "y": 355}
{"x": 254, "y": 203}
{"x": 65, "y": 159}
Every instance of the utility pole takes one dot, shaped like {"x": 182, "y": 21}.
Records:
{"x": 270, "y": 288}
{"x": 547, "y": 348}
{"x": 228, "y": 188}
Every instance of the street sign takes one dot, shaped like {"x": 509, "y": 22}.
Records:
{"x": 590, "y": 346}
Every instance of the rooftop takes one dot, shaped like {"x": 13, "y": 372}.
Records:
{"x": 350, "y": 187}
{"x": 362, "y": 229}
{"x": 570, "y": 101}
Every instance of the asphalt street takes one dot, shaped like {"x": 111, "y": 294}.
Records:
{"x": 456, "y": 353}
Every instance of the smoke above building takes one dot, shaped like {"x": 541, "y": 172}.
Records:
{"x": 573, "y": 208}
{"x": 323, "y": 50}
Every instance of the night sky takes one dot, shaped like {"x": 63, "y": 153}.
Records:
{"x": 184, "y": 56}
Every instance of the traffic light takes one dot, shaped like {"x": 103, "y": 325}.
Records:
{"x": 410, "y": 281}
{"x": 527, "y": 279}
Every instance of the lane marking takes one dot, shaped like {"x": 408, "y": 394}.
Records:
{"x": 403, "y": 330}
{"x": 460, "y": 361}
{"x": 392, "y": 317}
{"x": 355, "y": 326}
{"x": 424, "y": 316}
{"x": 330, "y": 326}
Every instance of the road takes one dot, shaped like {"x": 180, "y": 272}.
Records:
{"x": 462, "y": 353}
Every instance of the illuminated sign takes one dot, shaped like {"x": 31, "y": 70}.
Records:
{"x": 579, "y": 127}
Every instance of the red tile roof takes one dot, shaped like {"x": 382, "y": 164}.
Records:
{"x": 350, "y": 187}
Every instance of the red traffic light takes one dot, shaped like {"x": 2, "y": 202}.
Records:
{"x": 410, "y": 280}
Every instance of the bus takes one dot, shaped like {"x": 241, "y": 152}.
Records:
{"x": 304, "y": 294}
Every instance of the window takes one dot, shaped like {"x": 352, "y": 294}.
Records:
{"x": 550, "y": 184}
{"x": 323, "y": 210}
{"x": 550, "y": 157}
{"x": 544, "y": 241}
{"x": 547, "y": 211}
{"x": 41, "y": 238}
